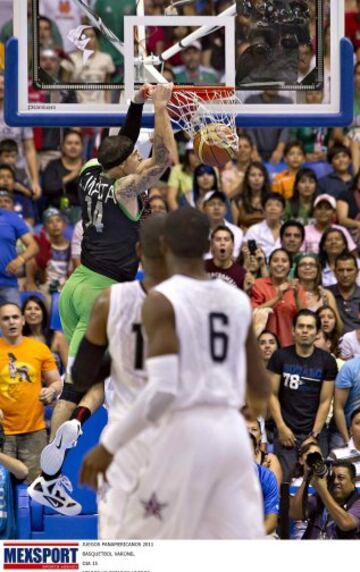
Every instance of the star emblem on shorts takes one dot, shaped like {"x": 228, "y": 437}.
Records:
{"x": 153, "y": 507}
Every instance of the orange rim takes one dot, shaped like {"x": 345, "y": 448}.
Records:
{"x": 206, "y": 92}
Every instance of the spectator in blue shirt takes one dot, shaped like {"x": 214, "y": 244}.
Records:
{"x": 270, "y": 492}
{"x": 347, "y": 396}
{"x": 12, "y": 227}
{"x": 340, "y": 180}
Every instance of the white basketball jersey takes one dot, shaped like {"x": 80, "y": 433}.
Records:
{"x": 126, "y": 344}
{"x": 212, "y": 324}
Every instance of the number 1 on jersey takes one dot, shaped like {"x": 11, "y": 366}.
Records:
{"x": 139, "y": 346}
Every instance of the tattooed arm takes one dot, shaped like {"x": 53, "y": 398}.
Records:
{"x": 147, "y": 174}
{"x": 149, "y": 171}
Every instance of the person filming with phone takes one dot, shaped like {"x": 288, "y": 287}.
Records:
{"x": 334, "y": 511}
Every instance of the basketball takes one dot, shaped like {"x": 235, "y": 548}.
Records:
{"x": 213, "y": 144}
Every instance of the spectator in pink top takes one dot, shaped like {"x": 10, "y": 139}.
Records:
{"x": 325, "y": 214}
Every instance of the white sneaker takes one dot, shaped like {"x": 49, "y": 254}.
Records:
{"x": 54, "y": 495}
{"x": 53, "y": 455}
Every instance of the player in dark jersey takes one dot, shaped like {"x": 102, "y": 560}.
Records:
{"x": 109, "y": 189}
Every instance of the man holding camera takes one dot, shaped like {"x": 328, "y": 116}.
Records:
{"x": 334, "y": 511}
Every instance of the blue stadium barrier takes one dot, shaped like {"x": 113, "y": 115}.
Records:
{"x": 321, "y": 168}
{"x": 275, "y": 169}
{"x": 41, "y": 523}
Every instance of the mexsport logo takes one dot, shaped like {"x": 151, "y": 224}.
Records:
{"x": 41, "y": 556}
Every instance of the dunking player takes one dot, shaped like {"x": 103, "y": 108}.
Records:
{"x": 199, "y": 480}
{"x": 109, "y": 192}
{"x": 116, "y": 322}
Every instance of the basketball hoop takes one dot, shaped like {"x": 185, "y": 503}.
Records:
{"x": 192, "y": 108}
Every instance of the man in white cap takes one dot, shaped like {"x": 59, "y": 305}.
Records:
{"x": 324, "y": 214}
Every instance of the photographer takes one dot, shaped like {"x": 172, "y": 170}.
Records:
{"x": 334, "y": 511}
{"x": 270, "y": 52}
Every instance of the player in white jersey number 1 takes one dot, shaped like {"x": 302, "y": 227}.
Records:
{"x": 199, "y": 479}
{"x": 116, "y": 322}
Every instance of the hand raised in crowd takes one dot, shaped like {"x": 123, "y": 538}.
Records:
{"x": 324, "y": 295}
{"x": 283, "y": 288}
{"x": 249, "y": 281}
{"x": 286, "y": 437}
{"x": 295, "y": 283}
{"x": 95, "y": 463}
{"x": 260, "y": 256}
{"x": 276, "y": 157}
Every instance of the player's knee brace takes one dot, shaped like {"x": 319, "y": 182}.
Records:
{"x": 69, "y": 393}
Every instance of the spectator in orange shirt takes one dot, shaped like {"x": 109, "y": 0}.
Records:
{"x": 294, "y": 156}
{"x": 24, "y": 364}
{"x": 279, "y": 294}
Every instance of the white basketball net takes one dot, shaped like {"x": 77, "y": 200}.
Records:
{"x": 191, "y": 111}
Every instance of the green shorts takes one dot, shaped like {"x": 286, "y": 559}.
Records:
{"x": 76, "y": 301}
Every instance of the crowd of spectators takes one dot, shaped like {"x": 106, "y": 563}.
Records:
{"x": 285, "y": 227}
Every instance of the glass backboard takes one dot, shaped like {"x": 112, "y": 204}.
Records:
{"x": 283, "y": 58}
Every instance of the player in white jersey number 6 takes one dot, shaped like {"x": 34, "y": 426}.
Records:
{"x": 199, "y": 479}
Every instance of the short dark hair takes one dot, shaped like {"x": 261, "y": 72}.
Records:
{"x": 2, "y": 304}
{"x": 150, "y": 231}
{"x": 187, "y": 232}
{"x": 114, "y": 150}
{"x": 305, "y": 312}
{"x": 270, "y": 334}
{"x": 289, "y": 223}
{"x": 274, "y": 197}
{"x": 70, "y": 131}
{"x": 335, "y": 150}
{"x": 347, "y": 465}
{"x": 344, "y": 256}
{"x": 291, "y": 144}
{"x": 46, "y": 19}
{"x": 8, "y": 146}
{"x": 5, "y": 167}
{"x": 279, "y": 250}
{"x": 354, "y": 414}
{"x": 225, "y": 228}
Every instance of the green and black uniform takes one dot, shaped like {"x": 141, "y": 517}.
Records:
{"x": 108, "y": 247}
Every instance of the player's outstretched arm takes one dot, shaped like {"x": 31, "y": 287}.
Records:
{"x": 90, "y": 363}
{"x": 162, "y": 364}
{"x": 258, "y": 381}
{"x": 132, "y": 124}
{"x": 164, "y": 150}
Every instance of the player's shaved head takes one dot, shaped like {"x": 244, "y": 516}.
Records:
{"x": 151, "y": 229}
{"x": 187, "y": 233}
